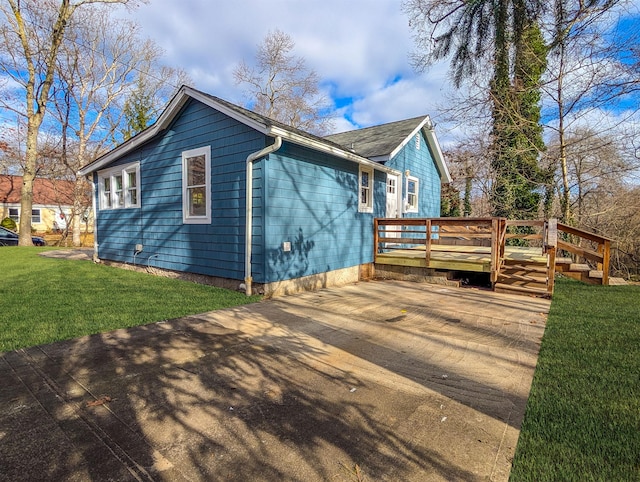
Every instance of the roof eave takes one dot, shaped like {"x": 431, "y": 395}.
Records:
{"x": 445, "y": 176}
{"x": 330, "y": 149}
{"x": 181, "y": 98}
{"x": 175, "y": 105}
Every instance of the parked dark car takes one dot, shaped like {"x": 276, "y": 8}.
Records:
{"x": 9, "y": 238}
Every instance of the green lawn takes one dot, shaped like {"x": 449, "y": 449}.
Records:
{"x": 583, "y": 415}
{"x": 43, "y": 300}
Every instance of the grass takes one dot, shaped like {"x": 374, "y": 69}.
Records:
{"x": 582, "y": 421}
{"x": 43, "y": 300}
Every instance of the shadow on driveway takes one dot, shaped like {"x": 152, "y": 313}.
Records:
{"x": 389, "y": 380}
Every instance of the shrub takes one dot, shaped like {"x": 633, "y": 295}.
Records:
{"x": 9, "y": 224}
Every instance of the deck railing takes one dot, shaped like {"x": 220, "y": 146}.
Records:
{"x": 422, "y": 233}
{"x": 586, "y": 245}
{"x": 465, "y": 235}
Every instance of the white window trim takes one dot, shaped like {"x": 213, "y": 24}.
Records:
{"x": 368, "y": 206}
{"x": 15, "y": 215}
{"x": 111, "y": 174}
{"x": 409, "y": 208}
{"x": 186, "y": 217}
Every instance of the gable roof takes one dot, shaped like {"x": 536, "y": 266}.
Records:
{"x": 256, "y": 121}
{"x": 45, "y": 191}
{"x": 381, "y": 143}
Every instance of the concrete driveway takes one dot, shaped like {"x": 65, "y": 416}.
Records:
{"x": 373, "y": 381}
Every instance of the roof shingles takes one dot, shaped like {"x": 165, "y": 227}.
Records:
{"x": 45, "y": 191}
{"x": 377, "y": 141}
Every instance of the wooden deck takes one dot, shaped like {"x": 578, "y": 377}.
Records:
{"x": 521, "y": 256}
{"x": 457, "y": 258}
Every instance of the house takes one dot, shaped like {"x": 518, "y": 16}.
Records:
{"x": 216, "y": 190}
{"x": 52, "y": 202}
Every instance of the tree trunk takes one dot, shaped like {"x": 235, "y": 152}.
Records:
{"x": 28, "y": 176}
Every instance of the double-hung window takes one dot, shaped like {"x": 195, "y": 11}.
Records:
{"x": 131, "y": 194}
{"x": 14, "y": 213}
{"x": 196, "y": 186}
{"x": 35, "y": 216}
{"x": 365, "y": 188}
{"x": 119, "y": 187}
{"x": 413, "y": 187}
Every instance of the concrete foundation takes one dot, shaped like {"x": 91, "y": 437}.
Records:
{"x": 339, "y": 277}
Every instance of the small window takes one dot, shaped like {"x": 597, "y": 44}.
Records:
{"x": 14, "y": 213}
{"x": 365, "y": 202}
{"x": 196, "y": 186}
{"x": 413, "y": 186}
{"x": 391, "y": 185}
{"x": 35, "y": 216}
{"x": 418, "y": 141}
{"x": 132, "y": 187}
{"x": 117, "y": 185}
{"x": 106, "y": 193}
{"x": 120, "y": 187}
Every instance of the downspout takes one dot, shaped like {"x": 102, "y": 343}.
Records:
{"x": 94, "y": 207}
{"x": 249, "y": 212}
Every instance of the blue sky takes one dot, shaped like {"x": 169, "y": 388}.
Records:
{"x": 359, "y": 48}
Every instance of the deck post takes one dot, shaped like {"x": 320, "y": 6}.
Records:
{"x": 375, "y": 240}
{"x": 495, "y": 249}
{"x": 606, "y": 253}
{"x": 427, "y": 246}
{"x": 550, "y": 245}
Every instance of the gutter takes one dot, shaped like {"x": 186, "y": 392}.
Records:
{"x": 329, "y": 149}
{"x": 249, "y": 209}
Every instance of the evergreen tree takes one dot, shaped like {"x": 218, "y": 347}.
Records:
{"x": 138, "y": 111}
{"x": 517, "y": 132}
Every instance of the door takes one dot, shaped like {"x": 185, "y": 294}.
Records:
{"x": 393, "y": 193}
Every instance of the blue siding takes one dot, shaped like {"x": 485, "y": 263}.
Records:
{"x": 311, "y": 201}
{"x": 421, "y": 165}
{"x": 300, "y": 196}
{"x": 216, "y": 249}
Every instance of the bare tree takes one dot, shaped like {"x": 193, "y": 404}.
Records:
{"x": 587, "y": 75}
{"x": 283, "y": 88}
{"x": 102, "y": 64}
{"x": 31, "y": 34}
{"x": 470, "y": 167}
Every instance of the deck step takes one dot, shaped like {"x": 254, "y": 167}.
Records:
{"x": 521, "y": 289}
{"x": 579, "y": 267}
{"x": 506, "y": 277}
{"x": 596, "y": 274}
{"x": 617, "y": 282}
{"x": 532, "y": 268}
{"x": 564, "y": 260}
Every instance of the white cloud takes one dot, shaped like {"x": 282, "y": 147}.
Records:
{"x": 358, "y": 48}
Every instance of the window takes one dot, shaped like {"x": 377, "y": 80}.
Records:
{"x": 196, "y": 186}
{"x": 120, "y": 187}
{"x": 117, "y": 189}
{"x": 132, "y": 187}
{"x": 14, "y": 213}
{"x": 413, "y": 186}
{"x": 418, "y": 141}
{"x": 106, "y": 193}
{"x": 365, "y": 202}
